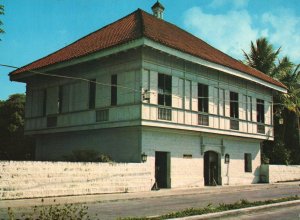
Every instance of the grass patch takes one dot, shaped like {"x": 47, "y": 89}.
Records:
{"x": 213, "y": 209}
{"x": 53, "y": 212}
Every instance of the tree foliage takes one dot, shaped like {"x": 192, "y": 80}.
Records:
{"x": 262, "y": 56}
{"x": 265, "y": 58}
{"x": 13, "y": 144}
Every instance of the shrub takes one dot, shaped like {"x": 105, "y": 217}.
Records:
{"x": 87, "y": 156}
{"x": 54, "y": 212}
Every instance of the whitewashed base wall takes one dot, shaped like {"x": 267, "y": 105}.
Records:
{"x": 189, "y": 172}
{"x": 42, "y": 179}
{"x": 279, "y": 173}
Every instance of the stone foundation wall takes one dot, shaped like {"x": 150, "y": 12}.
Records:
{"x": 279, "y": 173}
{"x": 28, "y": 179}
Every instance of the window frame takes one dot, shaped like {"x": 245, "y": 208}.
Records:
{"x": 203, "y": 98}
{"x": 164, "y": 87}
{"x": 44, "y": 103}
{"x": 260, "y": 111}
{"x": 92, "y": 93}
{"x": 234, "y": 105}
{"x": 60, "y": 99}
{"x": 248, "y": 162}
{"x": 114, "y": 90}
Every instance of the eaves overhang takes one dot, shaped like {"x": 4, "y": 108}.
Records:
{"x": 144, "y": 41}
{"x": 197, "y": 60}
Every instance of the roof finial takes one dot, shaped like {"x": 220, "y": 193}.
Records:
{"x": 158, "y": 10}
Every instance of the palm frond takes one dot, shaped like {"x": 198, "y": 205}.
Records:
{"x": 283, "y": 68}
{"x": 1, "y": 9}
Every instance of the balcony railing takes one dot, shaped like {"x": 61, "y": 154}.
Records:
{"x": 165, "y": 114}
{"x": 203, "y": 119}
{"x": 234, "y": 124}
{"x": 261, "y": 129}
{"x": 102, "y": 115}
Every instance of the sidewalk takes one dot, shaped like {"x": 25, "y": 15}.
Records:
{"x": 102, "y": 198}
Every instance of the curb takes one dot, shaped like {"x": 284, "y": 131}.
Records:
{"x": 239, "y": 211}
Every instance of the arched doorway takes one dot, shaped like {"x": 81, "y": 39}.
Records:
{"x": 212, "y": 174}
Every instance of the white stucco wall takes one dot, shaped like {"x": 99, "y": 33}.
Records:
{"x": 278, "y": 173}
{"x": 43, "y": 179}
{"x": 190, "y": 172}
{"x": 234, "y": 172}
{"x": 184, "y": 172}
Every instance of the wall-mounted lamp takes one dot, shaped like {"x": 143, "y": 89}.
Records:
{"x": 280, "y": 121}
{"x": 146, "y": 95}
{"x": 227, "y": 158}
{"x": 144, "y": 157}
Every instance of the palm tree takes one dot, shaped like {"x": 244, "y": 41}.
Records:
{"x": 264, "y": 57}
{"x": 291, "y": 101}
{"x": 292, "y": 80}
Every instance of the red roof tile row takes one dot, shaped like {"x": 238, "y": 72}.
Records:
{"x": 141, "y": 24}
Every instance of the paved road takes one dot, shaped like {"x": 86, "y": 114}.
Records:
{"x": 166, "y": 203}
{"x": 283, "y": 213}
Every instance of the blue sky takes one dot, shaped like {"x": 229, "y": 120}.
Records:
{"x": 35, "y": 28}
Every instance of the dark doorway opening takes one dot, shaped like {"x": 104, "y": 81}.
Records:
{"x": 162, "y": 169}
{"x": 212, "y": 174}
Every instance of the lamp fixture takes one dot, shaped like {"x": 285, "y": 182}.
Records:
{"x": 227, "y": 158}
{"x": 280, "y": 121}
{"x": 144, "y": 157}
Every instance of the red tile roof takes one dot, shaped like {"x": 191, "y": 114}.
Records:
{"x": 141, "y": 24}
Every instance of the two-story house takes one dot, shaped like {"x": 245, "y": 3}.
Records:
{"x": 142, "y": 85}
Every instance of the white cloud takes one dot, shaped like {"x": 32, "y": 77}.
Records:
{"x": 233, "y": 3}
{"x": 234, "y": 30}
{"x": 285, "y": 32}
{"x": 230, "y": 32}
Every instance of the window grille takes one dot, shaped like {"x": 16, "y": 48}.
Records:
{"x": 102, "y": 115}
{"x": 234, "y": 124}
{"x": 203, "y": 119}
{"x": 261, "y": 129}
{"x": 165, "y": 114}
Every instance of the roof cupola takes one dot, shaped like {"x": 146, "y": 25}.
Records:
{"x": 158, "y": 10}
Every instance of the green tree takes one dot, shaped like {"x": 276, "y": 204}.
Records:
{"x": 265, "y": 58}
{"x": 291, "y": 101}
{"x": 1, "y": 23}
{"x": 13, "y": 144}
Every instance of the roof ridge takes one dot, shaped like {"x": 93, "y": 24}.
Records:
{"x": 140, "y": 13}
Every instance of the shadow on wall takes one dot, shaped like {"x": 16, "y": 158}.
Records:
{"x": 257, "y": 178}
